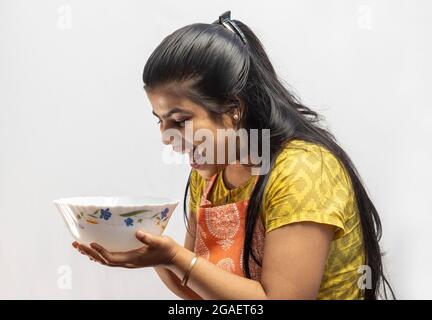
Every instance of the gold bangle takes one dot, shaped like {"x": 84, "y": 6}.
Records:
{"x": 186, "y": 276}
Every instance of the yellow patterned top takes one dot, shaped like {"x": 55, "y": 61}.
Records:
{"x": 307, "y": 183}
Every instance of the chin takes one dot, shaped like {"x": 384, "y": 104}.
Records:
{"x": 206, "y": 170}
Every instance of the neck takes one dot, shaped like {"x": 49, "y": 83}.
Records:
{"x": 236, "y": 175}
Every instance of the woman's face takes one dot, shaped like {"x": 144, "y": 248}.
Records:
{"x": 174, "y": 112}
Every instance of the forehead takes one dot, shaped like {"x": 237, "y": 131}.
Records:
{"x": 164, "y": 100}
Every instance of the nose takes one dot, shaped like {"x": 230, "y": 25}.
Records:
{"x": 167, "y": 139}
{"x": 171, "y": 136}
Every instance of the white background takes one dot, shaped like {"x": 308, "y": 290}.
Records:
{"x": 74, "y": 120}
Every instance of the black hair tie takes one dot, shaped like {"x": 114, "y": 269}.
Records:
{"x": 225, "y": 20}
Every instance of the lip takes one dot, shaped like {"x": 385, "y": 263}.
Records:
{"x": 196, "y": 166}
{"x": 192, "y": 162}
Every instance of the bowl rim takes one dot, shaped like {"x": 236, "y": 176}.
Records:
{"x": 68, "y": 201}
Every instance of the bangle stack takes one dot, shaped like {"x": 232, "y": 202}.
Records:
{"x": 191, "y": 265}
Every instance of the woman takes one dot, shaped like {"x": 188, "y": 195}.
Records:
{"x": 304, "y": 229}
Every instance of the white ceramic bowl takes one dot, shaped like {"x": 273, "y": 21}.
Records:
{"x": 113, "y": 221}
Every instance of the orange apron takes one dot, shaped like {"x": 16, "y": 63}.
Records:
{"x": 220, "y": 234}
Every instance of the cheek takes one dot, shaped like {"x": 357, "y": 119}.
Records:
{"x": 217, "y": 147}
{"x": 172, "y": 137}
{"x": 220, "y": 146}
{"x": 204, "y": 130}
{"x": 217, "y": 143}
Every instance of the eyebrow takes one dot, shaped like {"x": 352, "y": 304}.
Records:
{"x": 170, "y": 113}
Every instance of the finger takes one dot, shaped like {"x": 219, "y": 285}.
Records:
{"x": 142, "y": 236}
{"x": 82, "y": 249}
{"x": 117, "y": 258}
{"x": 108, "y": 256}
{"x": 79, "y": 249}
{"x": 91, "y": 253}
{"x": 76, "y": 245}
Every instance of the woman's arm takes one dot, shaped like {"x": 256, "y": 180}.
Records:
{"x": 173, "y": 283}
{"x": 169, "y": 278}
{"x": 293, "y": 265}
{"x": 294, "y": 259}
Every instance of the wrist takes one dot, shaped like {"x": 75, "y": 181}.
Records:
{"x": 180, "y": 261}
{"x": 173, "y": 250}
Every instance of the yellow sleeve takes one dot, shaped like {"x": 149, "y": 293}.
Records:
{"x": 194, "y": 191}
{"x": 307, "y": 184}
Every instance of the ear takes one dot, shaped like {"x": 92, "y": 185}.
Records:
{"x": 240, "y": 107}
{"x": 234, "y": 111}
{"x": 238, "y": 113}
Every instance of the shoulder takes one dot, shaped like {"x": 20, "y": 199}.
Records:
{"x": 305, "y": 158}
{"x": 307, "y": 182}
{"x": 196, "y": 185}
{"x": 196, "y": 181}
{"x": 301, "y": 150}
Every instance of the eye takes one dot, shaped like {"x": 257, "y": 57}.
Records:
{"x": 159, "y": 121}
{"x": 180, "y": 124}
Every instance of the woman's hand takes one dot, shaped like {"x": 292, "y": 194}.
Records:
{"x": 157, "y": 251}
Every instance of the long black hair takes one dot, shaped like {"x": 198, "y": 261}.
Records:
{"x": 210, "y": 65}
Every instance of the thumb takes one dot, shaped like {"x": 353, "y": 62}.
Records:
{"x": 145, "y": 237}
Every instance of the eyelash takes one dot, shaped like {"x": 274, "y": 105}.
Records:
{"x": 179, "y": 124}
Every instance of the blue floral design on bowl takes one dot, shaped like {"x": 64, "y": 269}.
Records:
{"x": 164, "y": 213}
{"x": 105, "y": 214}
{"x": 129, "y": 222}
